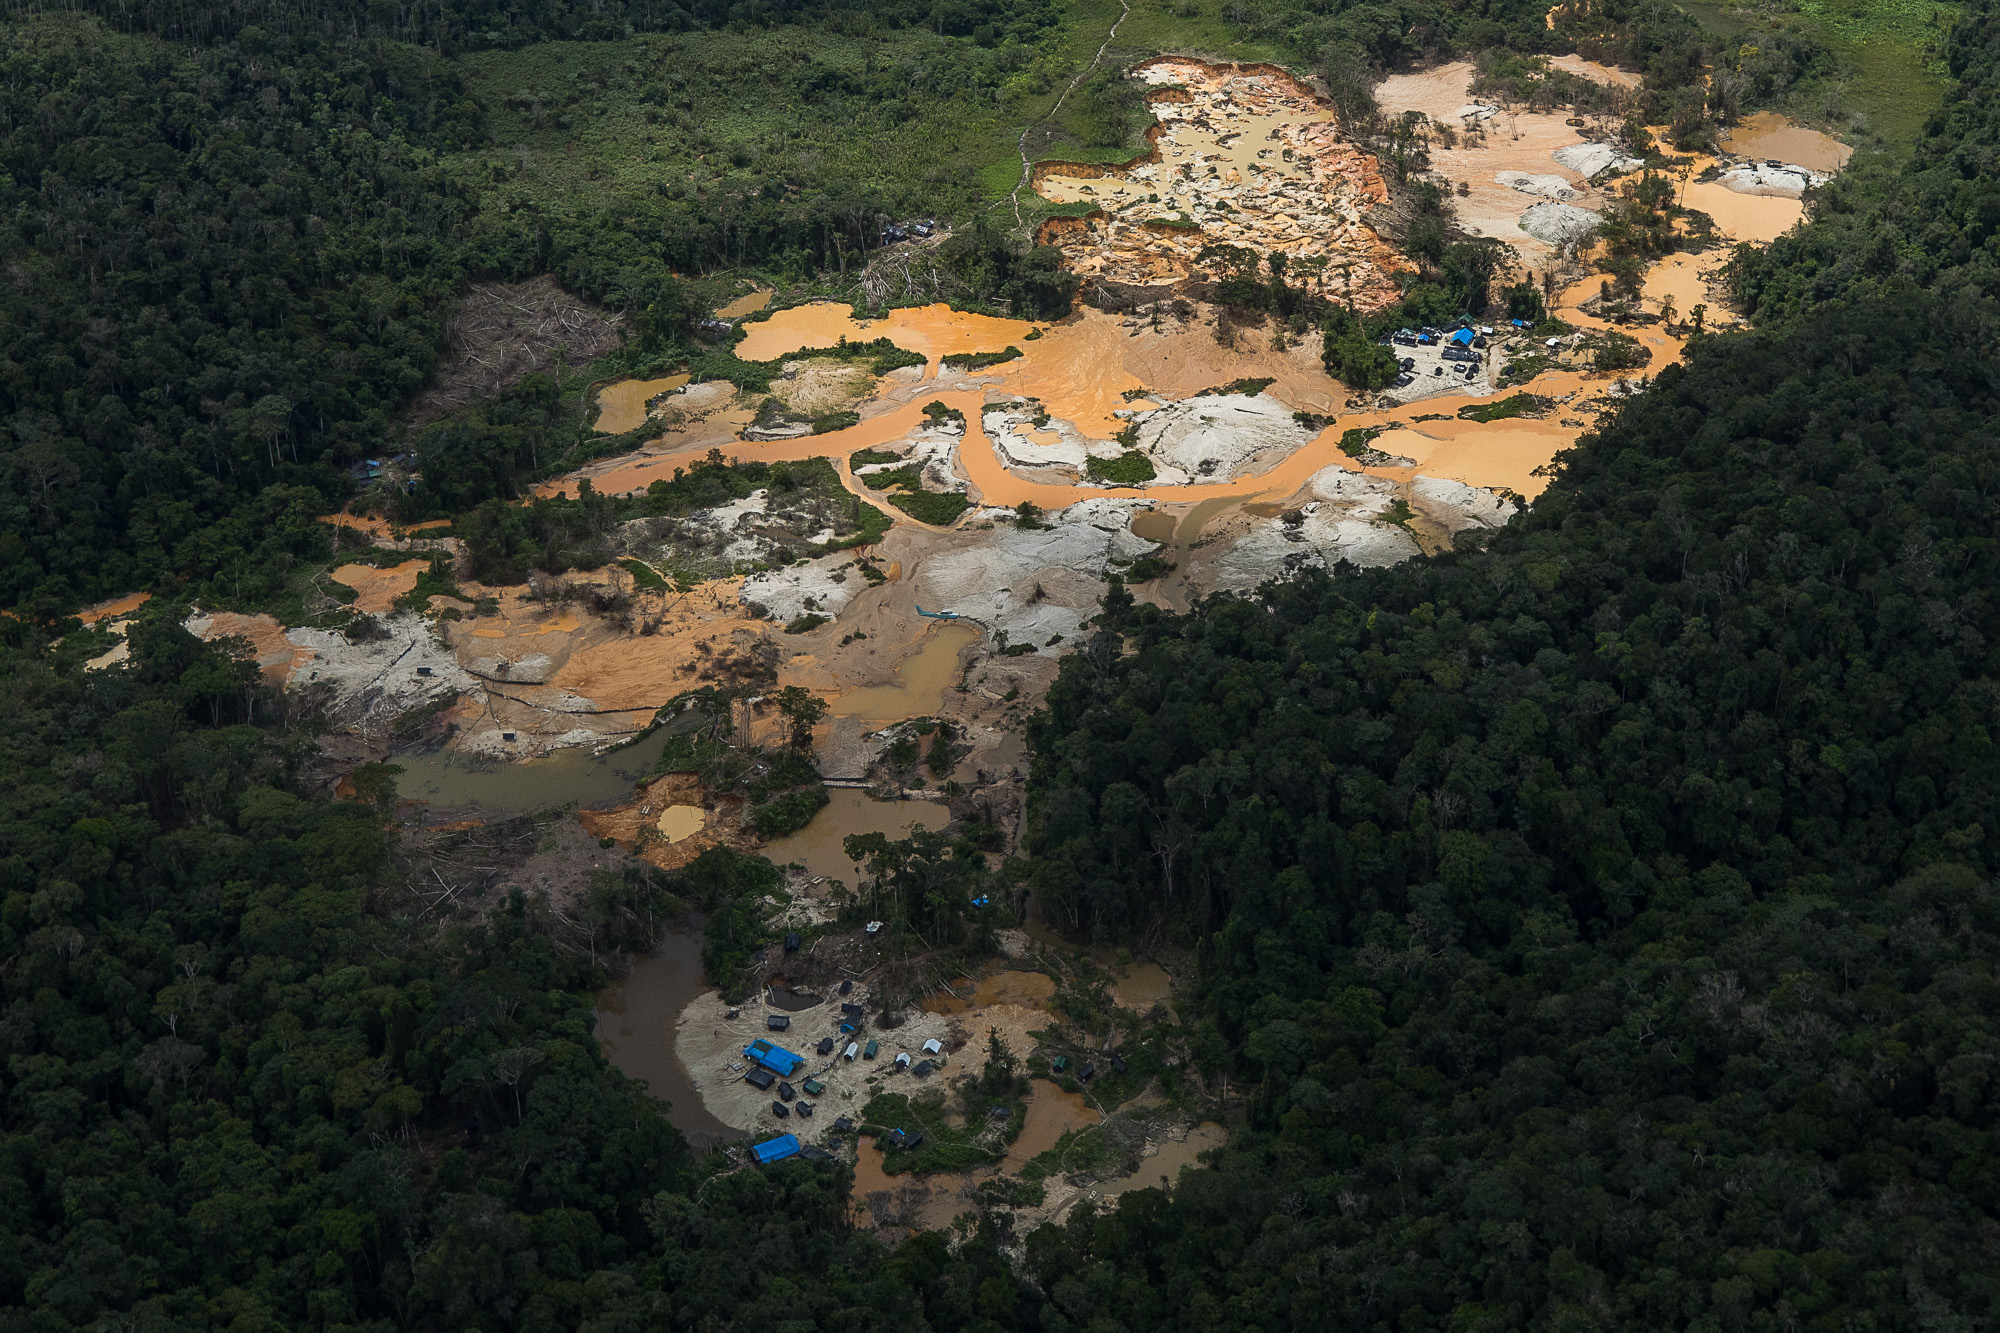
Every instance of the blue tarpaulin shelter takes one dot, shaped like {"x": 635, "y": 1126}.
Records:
{"x": 1464, "y": 337}
{"x": 776, "y": 1150}
{"x": 774, "y": 1058}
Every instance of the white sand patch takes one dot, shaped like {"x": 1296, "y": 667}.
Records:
{"x": 825, "y": 585}
{"x": 1455, "y": 506}
{"x": 1212, "y": 438}
{"x": 377, "y": 680}
{"x": 1588, "y": 159}
{"x": 934, "y": 449}
{"x": 1352, "y": 527}
{"x": 1558, "y": 224}
{"x": 1034, "y": 584}
{"x": 1785, "y": 182}
{"x": 1548, "y": 187}
{"x": 1054, "y": 444}
{"x": 534, "y": 669}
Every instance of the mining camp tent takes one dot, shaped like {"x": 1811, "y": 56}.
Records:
{"x": 775, "y": 1150}
{"x": 774, "y": 1058}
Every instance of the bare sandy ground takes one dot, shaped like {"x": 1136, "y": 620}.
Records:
{"x": 1514, "y": 140}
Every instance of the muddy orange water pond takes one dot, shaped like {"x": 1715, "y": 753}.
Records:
{"x": 622, "y": 406}
{"x": 1746, "y": 217}
{"x": 1029, "y": 989}
{"x": 1143, "y": 986}
{"x": 933, "y": 331}
{"x": 1768, "y": 135}
{"x": 635, "y": 1026}
{"x": 1052, "y": 1113}
{"x": 817, "y": 846}
{"x": 921, "y": 680}
{"x": 748, "y": 304}
{"x": 1165, "y": 1166}
{"x": 941, "y": 1200}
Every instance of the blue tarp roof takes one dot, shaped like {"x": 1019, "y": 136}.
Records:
{"x": 774, "y": 1058}
{"x": 1463, "y": 336}
{"x": 776, "y": 1150}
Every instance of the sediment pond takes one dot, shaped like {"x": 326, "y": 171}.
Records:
{"x": 635, "y": 1027}
{"x": 921, "y": 680}
{"x": 496, "y": 789}
{"x": 817, "y": 846}
{"x": 1773, "y": 137}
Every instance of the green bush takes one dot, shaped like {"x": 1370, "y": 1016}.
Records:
{"x": 1519, "y": 404}
{"x": 980, "y": 360}
{"x": 1352, "y": 356}
{"x": 788, "y": 813}
{"x": 1358, "y": 441}
{"x": 944, "y": 1148}
{"x": 1130, "y": 468}
{"x": 1618, "y": 351}
{"x": 937, "y": 509}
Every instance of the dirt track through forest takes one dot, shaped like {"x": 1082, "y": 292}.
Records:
{"x": 1027, "y": 167}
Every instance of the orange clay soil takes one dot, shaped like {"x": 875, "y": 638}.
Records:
{"x": 1512, "y": 140}
{"x": 1082, "y": 367}
{"x": 633, "y": 671}
{"x": 635, "y": 825}
{"x": 380, "y": 529}
{"x": 276, "y": 655}
{"x": 376, "y": 590}
{"x": 113, "y": 609}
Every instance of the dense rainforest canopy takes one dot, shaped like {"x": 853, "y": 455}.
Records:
{"x": 1606, "y": 913}
{"x": 1601, "y": 916}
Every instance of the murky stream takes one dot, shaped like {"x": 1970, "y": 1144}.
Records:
{"x": 1165, "y": 1166}
{"x": 635, "y": 1026}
